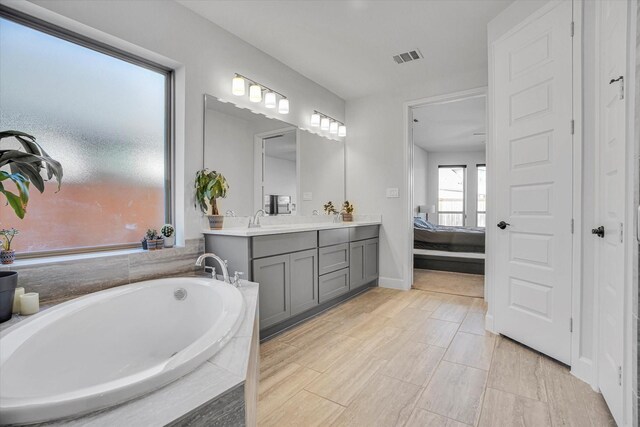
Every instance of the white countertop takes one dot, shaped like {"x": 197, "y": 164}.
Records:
{"x": 288, "y": 228}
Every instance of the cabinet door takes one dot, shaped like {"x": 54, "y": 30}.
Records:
{"x": 273, "y": 275}
{"x": 304, "y": 281}
{"x": 356, "y": 273}
{"x": 370, "y": 260}
{"x": 333, "y": 284}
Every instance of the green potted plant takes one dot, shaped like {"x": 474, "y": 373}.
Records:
{"x": 168, "y": 232}
{"x": 150, "y": 240}
{"x": 25, "y": 167}
{"x": 329, "y": 209}
{"x": 7, "y": 254}
{"x": 209, "y": 186}
{"x": 347, "y": 209}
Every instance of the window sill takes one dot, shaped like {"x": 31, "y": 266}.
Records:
{"x": 34, "y": 262}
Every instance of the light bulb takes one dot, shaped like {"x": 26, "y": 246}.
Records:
{"x": 342, "y": 131}
{"x": 283, "y": 106}
{"x": 270, "y": 100}
{"x": 333, "y": 127}
{"x": 255, "y": 93}
{"x": 315, "y": 120}
{"x": 324, "y": 123}
{"x": 237, "y": 86}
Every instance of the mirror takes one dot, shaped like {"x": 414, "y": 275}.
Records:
{"x": 270, "y": 164}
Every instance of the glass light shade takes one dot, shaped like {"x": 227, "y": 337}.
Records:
{"x": 237, "y": 86}
{"x": 270, "y": 100}
{"x": 333, "y": 127}
{"x": 283, "y": 106}
{"x": 342, "y": 130}
{"x": 255, "y": 93}
{"x": 324, "y": 123}
{"x": 315, "y": 120}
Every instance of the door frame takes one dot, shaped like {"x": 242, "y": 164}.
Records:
{"x": 580, "y": 367}
{"x": 407, "y": 109}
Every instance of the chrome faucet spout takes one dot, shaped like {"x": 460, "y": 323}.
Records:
{"x": 223, "y": 265}
{"x": 255, "y": 221}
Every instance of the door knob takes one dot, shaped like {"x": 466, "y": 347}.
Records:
{"x": 598, "y": 231}
{"x": 502, "y": 225}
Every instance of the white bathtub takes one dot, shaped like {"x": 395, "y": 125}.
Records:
{"x": 111, "y": 346}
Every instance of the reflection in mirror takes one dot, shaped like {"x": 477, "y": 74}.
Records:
{"x": 263, "y": 157}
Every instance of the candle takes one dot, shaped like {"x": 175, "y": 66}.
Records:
{"x": 29, "y": 303}
{"x": 16, "y": 300}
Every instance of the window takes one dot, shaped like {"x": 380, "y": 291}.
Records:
{"x": 105, "y": 116}
{"x": 451, "y": 186}
{"x": 482, "y": 196}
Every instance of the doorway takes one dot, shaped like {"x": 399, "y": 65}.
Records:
{"x": 447, "y": 137}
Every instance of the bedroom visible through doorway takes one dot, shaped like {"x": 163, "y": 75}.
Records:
{"x": 449, "y": 194}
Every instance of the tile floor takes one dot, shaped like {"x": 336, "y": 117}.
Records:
{"x": 416, "y": 358}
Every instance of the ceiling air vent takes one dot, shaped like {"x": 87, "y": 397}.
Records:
{"x": 407, "y": 56}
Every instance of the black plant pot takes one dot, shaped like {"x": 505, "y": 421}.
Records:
{"x": 8, "y": 283}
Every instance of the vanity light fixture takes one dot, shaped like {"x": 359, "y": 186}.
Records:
{"x": 333, "y": 128}
{"x": 283, "y": 106}
{"x": 256, "y": 89}
{"x": 237, "y": 85}
{"x": 270, "y": 100}
{"x": 328, "y": 123}
{"x": 255, "y": 93}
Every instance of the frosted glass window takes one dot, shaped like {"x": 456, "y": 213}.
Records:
{"x": 104, "y": 119}
{"x": 451, "y": 187}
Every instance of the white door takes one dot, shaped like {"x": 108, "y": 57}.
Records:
{"x": 532, "y": 124}
{"x": 610, "y": 253}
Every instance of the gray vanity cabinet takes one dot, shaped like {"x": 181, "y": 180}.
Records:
{"x": 363, "y": 262}
{"x": 304, "y": 281}
{"x": 274, "y": 275}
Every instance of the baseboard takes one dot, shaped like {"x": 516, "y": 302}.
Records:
{"x": 488, "y": 323}
{"x": 388, "y": 282}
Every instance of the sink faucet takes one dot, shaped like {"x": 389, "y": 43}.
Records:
{"x": 223, "y": 265}
{"x": 230, "y": 213}
{"x": 315, "y": 212}
{"x": 255, "y": 221}
{"x": 338, "y": 217}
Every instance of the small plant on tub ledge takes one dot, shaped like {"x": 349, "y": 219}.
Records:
{"x": 8, "y": 255}
{"x": 209, "y": 186}
{"x": 168, "y": 232}
{"x": 152, "y": 240}
{"x": 347, "y": 208}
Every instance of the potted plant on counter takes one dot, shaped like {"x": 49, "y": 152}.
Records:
{"x": 209, "y": 186}
{"x": 7, "y": 254}
{"x": 329, "y": 209}
{"x": 168, "y": 232}
{"x": 347, "y": 209}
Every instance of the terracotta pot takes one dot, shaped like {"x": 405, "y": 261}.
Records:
{"x": 215, "y": 221}
{"x": 8, "y": 257}
{"x": 347, "y": 217}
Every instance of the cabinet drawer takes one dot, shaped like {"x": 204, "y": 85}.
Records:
{"x": 333, "y": 258}
{"x": 333, "y": 237}
{"x": 365, "y": 232}
{"x": 276, "y": 244}
{"x": 333, "y": 284}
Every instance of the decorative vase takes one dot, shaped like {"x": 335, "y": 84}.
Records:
{"x": 347, "y": 217}
{"x": 215, "y": 221}
{"x": 160, "y": 243}
{"x": 151, "y": 244}
{"x": 8, "y": 257}
{"x": 169, "y": 241}
{"x": 8, "y": 283}
{"x": 144, "y": 245}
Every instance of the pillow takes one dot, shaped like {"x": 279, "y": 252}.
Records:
{"x": 422, "y": 224}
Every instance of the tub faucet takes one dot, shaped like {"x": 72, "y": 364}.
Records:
{"x": 223, "y": 265}
{"x": 255, "y": 221}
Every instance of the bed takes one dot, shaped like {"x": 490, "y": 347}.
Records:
{"x": 438, "y": 247}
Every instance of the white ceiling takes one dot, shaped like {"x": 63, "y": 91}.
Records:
{"x": 451, "y": 126}
{"x": 347, "y": 46}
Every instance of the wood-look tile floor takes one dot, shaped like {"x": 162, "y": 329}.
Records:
{"x": 415, "y": 358}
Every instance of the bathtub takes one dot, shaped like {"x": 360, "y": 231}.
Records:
{"x": 112, "y": 346}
